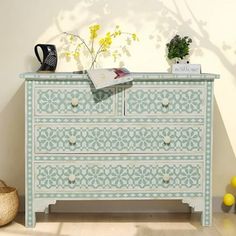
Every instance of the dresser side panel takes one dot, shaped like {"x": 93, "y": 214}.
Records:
{"x": 207, "y": 213}
{"x": 29, "y": 201}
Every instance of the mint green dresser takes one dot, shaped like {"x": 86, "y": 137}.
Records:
{"x": 147, "y": 139}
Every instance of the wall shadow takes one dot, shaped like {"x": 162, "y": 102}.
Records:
{"x": 224, "y": 160}
{"x": 172, "y": 22}
{"x": 12, "y": 142}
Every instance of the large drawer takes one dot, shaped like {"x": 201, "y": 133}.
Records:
{"x": 186, "y": 99}
{"x": 119, "y": 138}
{"x": 111, "y": 176}
{"x": 72, "y": 100}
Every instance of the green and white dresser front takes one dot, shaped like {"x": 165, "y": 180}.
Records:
{"x": 147, "y": 139}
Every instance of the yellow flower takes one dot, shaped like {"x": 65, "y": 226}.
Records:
{"x": 67, "y": 54}
{"x": 76, "y": 54}
{"x": 94, "y": 46}
{"x": 134, "y": 37}
{"x": 72, "y": 37}
{"x": 106, "y": 41}
{"x": 101, "y": 41}
{"x": 117, "y": 33}
{"x": 93, "y": 31}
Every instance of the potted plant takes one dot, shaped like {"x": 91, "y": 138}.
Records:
{"x": 177, "y": 51}
{"x": 178, "y": 48}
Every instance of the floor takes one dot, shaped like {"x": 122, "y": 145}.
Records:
{"x": 177, "y": 224}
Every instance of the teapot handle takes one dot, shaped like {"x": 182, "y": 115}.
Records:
{"x": 36, "y": 52}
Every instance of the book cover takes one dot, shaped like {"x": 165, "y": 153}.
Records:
{"x": 102, "y": 78}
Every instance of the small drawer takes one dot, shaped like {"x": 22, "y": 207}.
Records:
{"x": 68, "y": 100}
{"x": 167, "y": 99}
{"x": 124, "y": 176}
{"x": 120, "y": 138}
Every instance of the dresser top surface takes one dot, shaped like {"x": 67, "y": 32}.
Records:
{"x": 135, "y": 75}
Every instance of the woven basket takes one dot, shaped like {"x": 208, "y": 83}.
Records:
{"x": 9, "y": 203}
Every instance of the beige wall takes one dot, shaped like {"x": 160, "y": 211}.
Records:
{"x": 211, "y": 24}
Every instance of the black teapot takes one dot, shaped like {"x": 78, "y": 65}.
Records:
{"x": 49, "y": 62}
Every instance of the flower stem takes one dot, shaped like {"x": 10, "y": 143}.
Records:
{"x": 97, "y": 53}
{"x": 83, "y": 41}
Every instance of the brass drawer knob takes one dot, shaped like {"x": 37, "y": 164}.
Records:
{"x": 167, "y": 140}
{"x": 165, "y": 102}
{"x": 74, "y": 102}
{"x": 72, "y": 140}
{"x": 166, "y": 178}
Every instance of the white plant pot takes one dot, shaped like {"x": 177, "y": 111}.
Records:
{"x": 184, "y": 67}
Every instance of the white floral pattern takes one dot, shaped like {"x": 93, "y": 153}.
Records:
{"x": 120, "y": 176}
{"x": 149, "y": 101}
{"x": 58, "y": 101}
{"x": 121, "y": 139}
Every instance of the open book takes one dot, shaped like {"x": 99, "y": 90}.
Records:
{"x": 102, "y": 78}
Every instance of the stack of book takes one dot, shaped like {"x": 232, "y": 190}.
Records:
{"x": 102, "y": 78}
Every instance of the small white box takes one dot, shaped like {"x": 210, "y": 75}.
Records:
{"x": 186, "y": 68}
